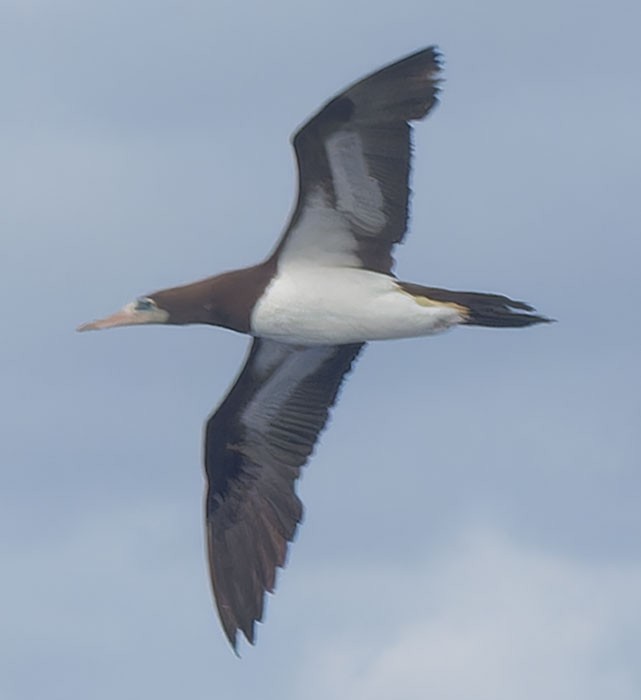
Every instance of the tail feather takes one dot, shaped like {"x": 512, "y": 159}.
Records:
{"x": 480, "y": 309}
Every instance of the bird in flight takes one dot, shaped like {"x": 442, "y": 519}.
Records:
{"x": 325, "y": 290}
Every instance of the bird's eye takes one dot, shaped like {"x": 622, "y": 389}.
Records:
{"x": 144, "y": 304}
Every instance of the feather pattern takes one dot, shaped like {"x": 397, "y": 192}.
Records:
{"x": 255, "y": 445}
{"x": 353, "y": 165}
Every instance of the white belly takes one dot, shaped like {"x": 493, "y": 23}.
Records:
{"x": 316, "y": 306}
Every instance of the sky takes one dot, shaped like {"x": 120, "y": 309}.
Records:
{"x": 472, "y": 523}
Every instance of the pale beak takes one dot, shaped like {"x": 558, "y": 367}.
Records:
{"x": 124, "y": 317}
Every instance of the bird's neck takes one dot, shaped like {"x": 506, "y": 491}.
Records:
{"x": 225, "y": 300}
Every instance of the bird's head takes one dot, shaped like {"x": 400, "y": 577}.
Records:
{"x": 142, "y": 310}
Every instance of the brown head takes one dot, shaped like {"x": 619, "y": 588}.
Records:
{"x": 225, "y": 300}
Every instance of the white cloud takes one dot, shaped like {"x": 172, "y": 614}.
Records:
{"x": 491, "y": 620}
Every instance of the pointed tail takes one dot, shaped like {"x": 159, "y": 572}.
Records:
{"x": 480, "y": 309}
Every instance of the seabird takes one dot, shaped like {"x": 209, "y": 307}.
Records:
{"x": 325, "y": 290}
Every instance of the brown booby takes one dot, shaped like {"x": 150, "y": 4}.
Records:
{"x": 310, "y": 307}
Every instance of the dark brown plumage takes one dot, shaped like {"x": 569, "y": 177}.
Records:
{"x": 253, "y": 456}
{"x": 225, "y": 300}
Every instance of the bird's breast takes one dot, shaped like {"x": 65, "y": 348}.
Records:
{"x": 330, "y": 306}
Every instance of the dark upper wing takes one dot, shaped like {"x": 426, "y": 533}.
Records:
{"x": 353, "y": 165}
{"x": 255, "y": 445}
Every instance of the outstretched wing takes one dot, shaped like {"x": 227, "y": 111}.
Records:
{"x": 353, "y": 166}
{"x": 256, "y": 443}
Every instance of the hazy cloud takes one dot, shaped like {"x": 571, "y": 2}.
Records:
{"x": 489, "y": 619}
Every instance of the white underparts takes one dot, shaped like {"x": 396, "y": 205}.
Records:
{"x": 313, "y": 305}
{"x": 321, "y": 236}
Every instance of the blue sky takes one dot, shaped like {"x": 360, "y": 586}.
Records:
{"x": 472, "y": 524}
